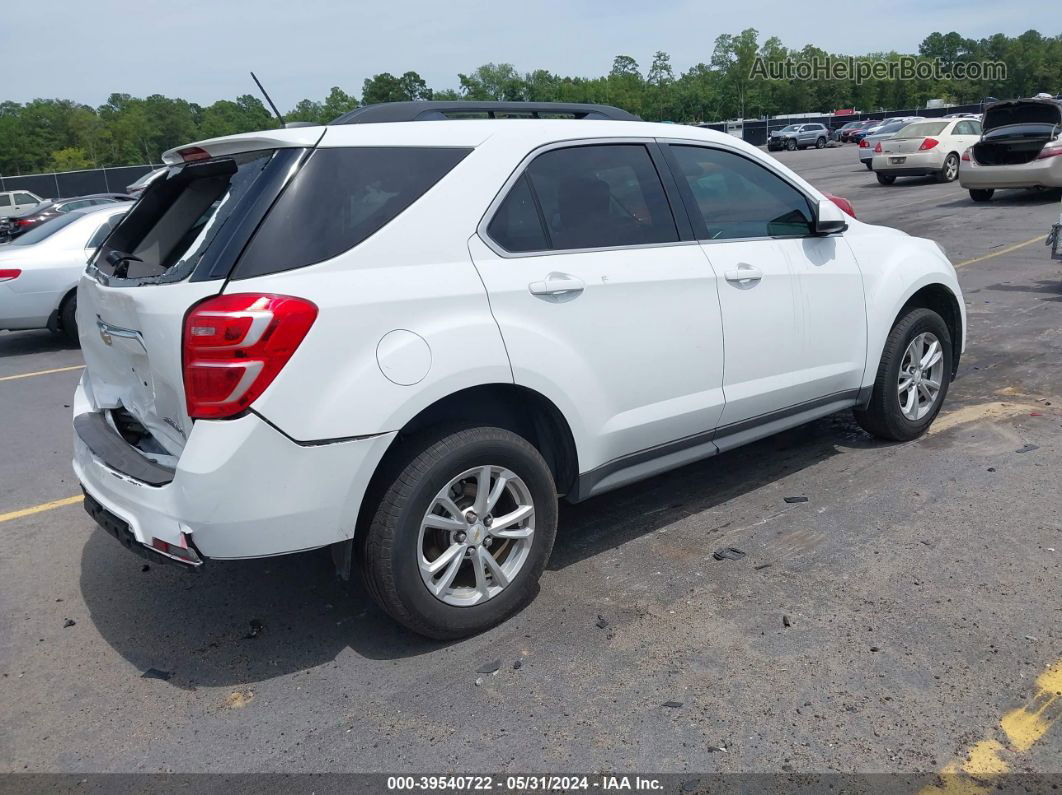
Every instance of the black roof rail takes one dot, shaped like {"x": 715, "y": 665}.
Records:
{"x": 423, "y": 110}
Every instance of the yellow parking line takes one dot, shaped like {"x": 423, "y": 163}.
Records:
{"x": 42, "y": 372}
{"x": 44, "y": 506}
{"x": 1001, "y": 252}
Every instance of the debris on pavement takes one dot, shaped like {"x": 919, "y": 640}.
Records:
{"x": 875, "y": 648}
{"x": 713, "y": 748}
{"x": 796, "y": 499}
{"x": 489, "y": 668}
{"x": 601, "y": 622}
{"x": 256, "y": 630}
{"x": 69, "y": 623}
{"x": 728, "y": 553}
{"x": 762, "y": 566}
{"x": 786, "y": 622}
{"x": 672, "y": 704}
{"x": 479, "y": 681}
{"x": 155, "y": 673}
{"x": 145, "y": 567}
{"x": 1027, "y": 448}
{"x": 518, "y": 665}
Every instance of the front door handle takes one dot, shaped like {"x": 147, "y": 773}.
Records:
{"x": 744, "y": 273}
{"x": 557, "y": 284}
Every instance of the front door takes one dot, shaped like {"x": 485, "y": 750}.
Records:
{"x": 794, "y": 316}
{"x": 602, "y": 308}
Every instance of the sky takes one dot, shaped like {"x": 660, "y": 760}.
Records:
{"x": 203, "y": 51}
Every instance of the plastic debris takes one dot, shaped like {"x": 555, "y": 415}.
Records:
{"x": 155, "y": 673}
{"x": 1028, "y": 448}
{"x": 518, "y": 665}
{"x": 728, "y": 553}
{"x": 69, "y": 623}
{"x": 672, "y": 704}
{"x": 796, "y": 499}
{"x": 489, "y": 668}
{"x": 601, "y": 622}
{"x": 786, "y": 622}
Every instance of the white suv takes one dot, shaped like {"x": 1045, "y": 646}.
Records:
{"x": 406, "y": 339}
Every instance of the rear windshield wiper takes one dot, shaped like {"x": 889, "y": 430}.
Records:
{"x": 120, "y": 260}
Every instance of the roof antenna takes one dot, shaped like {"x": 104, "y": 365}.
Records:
{"x": 270, "y": 101}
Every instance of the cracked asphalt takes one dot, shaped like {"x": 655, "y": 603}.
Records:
{"x": 921, "y": 583}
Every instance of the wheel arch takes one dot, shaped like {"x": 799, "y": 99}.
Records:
{"x": 519, "y": 409}
{"x": 940, "y": 299}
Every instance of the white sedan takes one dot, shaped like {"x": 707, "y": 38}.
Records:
{"x": 39, "y": 270}
{"x": 925, "y": 148}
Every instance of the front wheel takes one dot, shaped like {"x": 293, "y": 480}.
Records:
{"x": 462, "y": 532}
{"x": 912, "y": 380}
{"x": 981, "y": 194}
{"x": 886, "y": 179}
{"x": 791, "y": 145}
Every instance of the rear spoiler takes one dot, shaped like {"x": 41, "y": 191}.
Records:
{"x": 288, "y": 138}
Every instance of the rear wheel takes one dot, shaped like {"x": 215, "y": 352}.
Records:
{"x": 820, "y": 144}
{"x": 981, "y": 194}
{"x": 950, "y": 170}
{"x": 912, "y": 380}
{"x": 68, "y": 319}
{"x": 462, "y": 533}
{"x": 886, "y": 179}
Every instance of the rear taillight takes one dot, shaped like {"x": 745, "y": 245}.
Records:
{"x": 193, "y": 153}
{"x": 26, "y": 221}
{"x": 234, "y": 346}
{"x": 7, "y": 274}
{"x": 877, "y": 148}
{"x": 863, "y": 144}
{"x": 928, "y": 143}
{"x": 966, "y": 156}
{"x": 1051, "y": 150}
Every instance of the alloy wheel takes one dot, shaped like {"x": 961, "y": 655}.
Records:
{"x": 476, "y": 536}
{"x": 921, "y": 374}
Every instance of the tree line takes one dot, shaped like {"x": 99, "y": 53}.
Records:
{"x": 64, "y": 135}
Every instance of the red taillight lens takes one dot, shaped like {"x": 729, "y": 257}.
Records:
{"x": 7, "y": 274}
{"x": 234, "y": 346}
{"x": 877, "y": 148}
{"x": 863, "y": 144}
{"x": 1052, "y": 150}
{"x": 928, "y": 143}
{"x": 194, "y": 153}
{"x": 26, "y": 221}
{"x": 967, "y": 157}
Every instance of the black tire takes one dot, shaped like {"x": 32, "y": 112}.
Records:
{"x": 949, "y": 172}
{"x": 387, "y": 549}
{"x": 821, "y": 143}
{"x": 68, "y": 319}
{"x": 886, "y": 179}
{"x": 883, "y": 417}
{"x": 869, "y": 164}
{"x": 791, "y": 145}
{"x": 981, "y": 194}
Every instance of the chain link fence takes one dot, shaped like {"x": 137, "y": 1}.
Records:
{"x": 65, "y": 184}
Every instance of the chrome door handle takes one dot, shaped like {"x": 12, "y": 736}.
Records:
{"x": 744, "y": 273}
{"x": 557, "y": 284}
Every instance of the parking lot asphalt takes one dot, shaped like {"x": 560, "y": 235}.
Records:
{"x": 907, "y": 617}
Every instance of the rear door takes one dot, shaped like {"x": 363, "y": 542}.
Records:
{"x": 794, "y": 317}
{"x": 601, "y": 305}
{"x": 171, "y": 250}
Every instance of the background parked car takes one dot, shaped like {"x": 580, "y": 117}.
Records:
{"x": 18, "y": 224}
{"x": 15, "y": 202}
{"x": 39, "y": 270}
{"x": 1021, "y": 147}
{"x": 799, "y": 136}
{"x": 136, "y": 188}
{"x": 857, "y": 135}
{"x": 839, "y": 132}
{"x": 886, "y": 130}
{"x": 924, "y": 148}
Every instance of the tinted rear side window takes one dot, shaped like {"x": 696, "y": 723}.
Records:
{"x": 339, "y": 198}
{"x": 601, "y": 196}
{"x": 517, "y": 226}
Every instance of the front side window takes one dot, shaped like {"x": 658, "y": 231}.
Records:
{"x": 732, "y": 197}
{"x": 25, "y": 198}
{"x": 601, "y": 196}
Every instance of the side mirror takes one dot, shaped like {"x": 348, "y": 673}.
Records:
{"x": 829, "y": 218}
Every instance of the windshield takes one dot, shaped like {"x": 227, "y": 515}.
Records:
{"x": 790, "y": 128}
{"x": 45, "y": 230}
{"x": 922, "y": 129}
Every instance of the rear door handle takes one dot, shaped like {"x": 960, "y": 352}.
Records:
{"x": 744, "y": 273}
{"x": 557, "y": 284}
